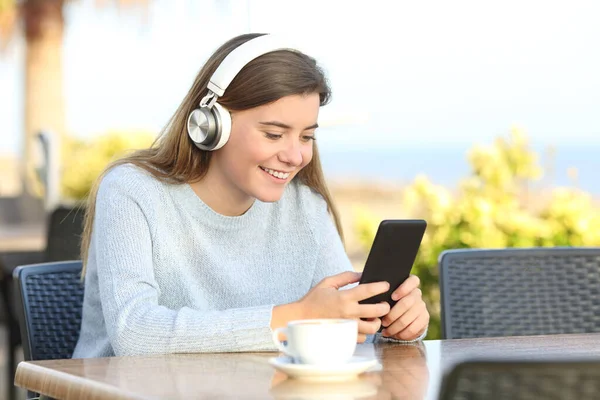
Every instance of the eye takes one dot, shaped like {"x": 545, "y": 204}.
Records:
{"x": 272, "y": 136}
{"x": 308, "y": 138}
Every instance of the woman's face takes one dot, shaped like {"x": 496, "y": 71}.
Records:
{"x": 267, "y": 147}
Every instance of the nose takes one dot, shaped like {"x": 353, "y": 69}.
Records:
{"x": 291, "y": 154}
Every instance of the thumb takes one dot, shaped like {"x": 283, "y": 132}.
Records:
{"x": 340, "y": 280}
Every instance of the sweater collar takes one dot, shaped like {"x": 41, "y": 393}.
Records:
{"x": 199, "y": 209}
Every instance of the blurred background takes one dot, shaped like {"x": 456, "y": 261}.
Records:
{"x": 481, "y": 117}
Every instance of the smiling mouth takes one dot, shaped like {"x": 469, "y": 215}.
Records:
{"x": 276, "y": 174}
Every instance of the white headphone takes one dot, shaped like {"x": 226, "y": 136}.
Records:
{"x": 209, "y": 125}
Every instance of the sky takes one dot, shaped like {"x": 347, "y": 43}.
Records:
{"x": 403, "y": 73}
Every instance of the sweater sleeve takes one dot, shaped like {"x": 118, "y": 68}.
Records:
{"x": 135, "y": 321}
{"x": 378, "y": 337}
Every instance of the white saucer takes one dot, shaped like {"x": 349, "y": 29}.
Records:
{"x": 322, "y": 373}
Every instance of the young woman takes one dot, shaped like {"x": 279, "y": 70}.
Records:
{"x": 224, "y": 229}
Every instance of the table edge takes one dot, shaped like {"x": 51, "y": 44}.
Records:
{"x": 73, "y": 387}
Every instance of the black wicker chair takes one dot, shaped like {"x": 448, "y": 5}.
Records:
{"x": 49, "y": 302}
{"x": 64, "y": 229}
{"x": 522, "y": 380}
{"x": 516, "y": 292}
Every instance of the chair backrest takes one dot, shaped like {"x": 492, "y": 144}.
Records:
{"x": 65, "y": 227}
{"x": 522, "y": 380}
{"x": 515, "y": 292}
{"x": 49, "y": 303}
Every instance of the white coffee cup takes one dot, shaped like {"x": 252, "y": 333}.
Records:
{"x": 319, "y": 341}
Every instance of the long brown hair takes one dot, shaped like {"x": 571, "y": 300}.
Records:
{"x": 173, "y": 158}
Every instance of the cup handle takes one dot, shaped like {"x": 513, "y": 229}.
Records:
{"x": 280, "y": 346}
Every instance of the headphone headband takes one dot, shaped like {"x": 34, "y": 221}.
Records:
{"x": 209, "y": 125}
{"x": 242, "y": 55}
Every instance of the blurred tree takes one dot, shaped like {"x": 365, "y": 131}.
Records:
{"x": 42, "y": 24}
{"x": 491, "y": 208}
{"x": 87, "y": 159}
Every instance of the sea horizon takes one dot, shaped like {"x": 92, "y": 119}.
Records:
{"x": 447, "y": 165}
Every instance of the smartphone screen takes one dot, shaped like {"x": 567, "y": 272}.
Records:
{"x": 392, "y": 255}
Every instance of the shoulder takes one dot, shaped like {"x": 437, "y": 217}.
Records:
{"x": 313, "y": 213}
{"x": 130, "y": 180}
{"x": 307, "y": 204}
{"x": 304, "y": 197}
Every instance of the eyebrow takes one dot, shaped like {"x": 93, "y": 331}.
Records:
{"x": 286, "y": 126}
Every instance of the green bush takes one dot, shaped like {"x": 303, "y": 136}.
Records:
{"x": 84, "y": 161}
{"x": 493, "y": 207}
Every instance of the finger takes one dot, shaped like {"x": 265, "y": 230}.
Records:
{"x": 369, "y": 327}
{"x": 367, "y": 290}
{"x": 340, "y": 280}
{"x": 361, "y": 338}
{"x": 372, "y": 310}
{"x": 402, "y": 306}
{"x": 403, "y": 323}
{"x": 410, "y": 284}
{"x": 415, "y": 329}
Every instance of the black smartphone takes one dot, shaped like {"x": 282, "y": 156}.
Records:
{"x": 392, "y": 255}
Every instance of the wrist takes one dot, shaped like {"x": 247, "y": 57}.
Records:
{"x": 282, "y": 314}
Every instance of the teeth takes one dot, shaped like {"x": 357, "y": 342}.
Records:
{"x": 277, "y": 174}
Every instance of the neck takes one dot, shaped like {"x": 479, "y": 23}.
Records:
{"x": 220, "y": 196}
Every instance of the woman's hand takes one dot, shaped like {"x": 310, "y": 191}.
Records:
{"x": 409, "y": 317}
{"x": 326, "y": 301}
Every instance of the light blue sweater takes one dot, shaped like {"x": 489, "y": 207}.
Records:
{"x": 167, "y": 274}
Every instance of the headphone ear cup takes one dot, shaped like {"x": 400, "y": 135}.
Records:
{"x": 209, "y": 128}
{"x": 223, "y": 122}
{"x": 201, "y": 127}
